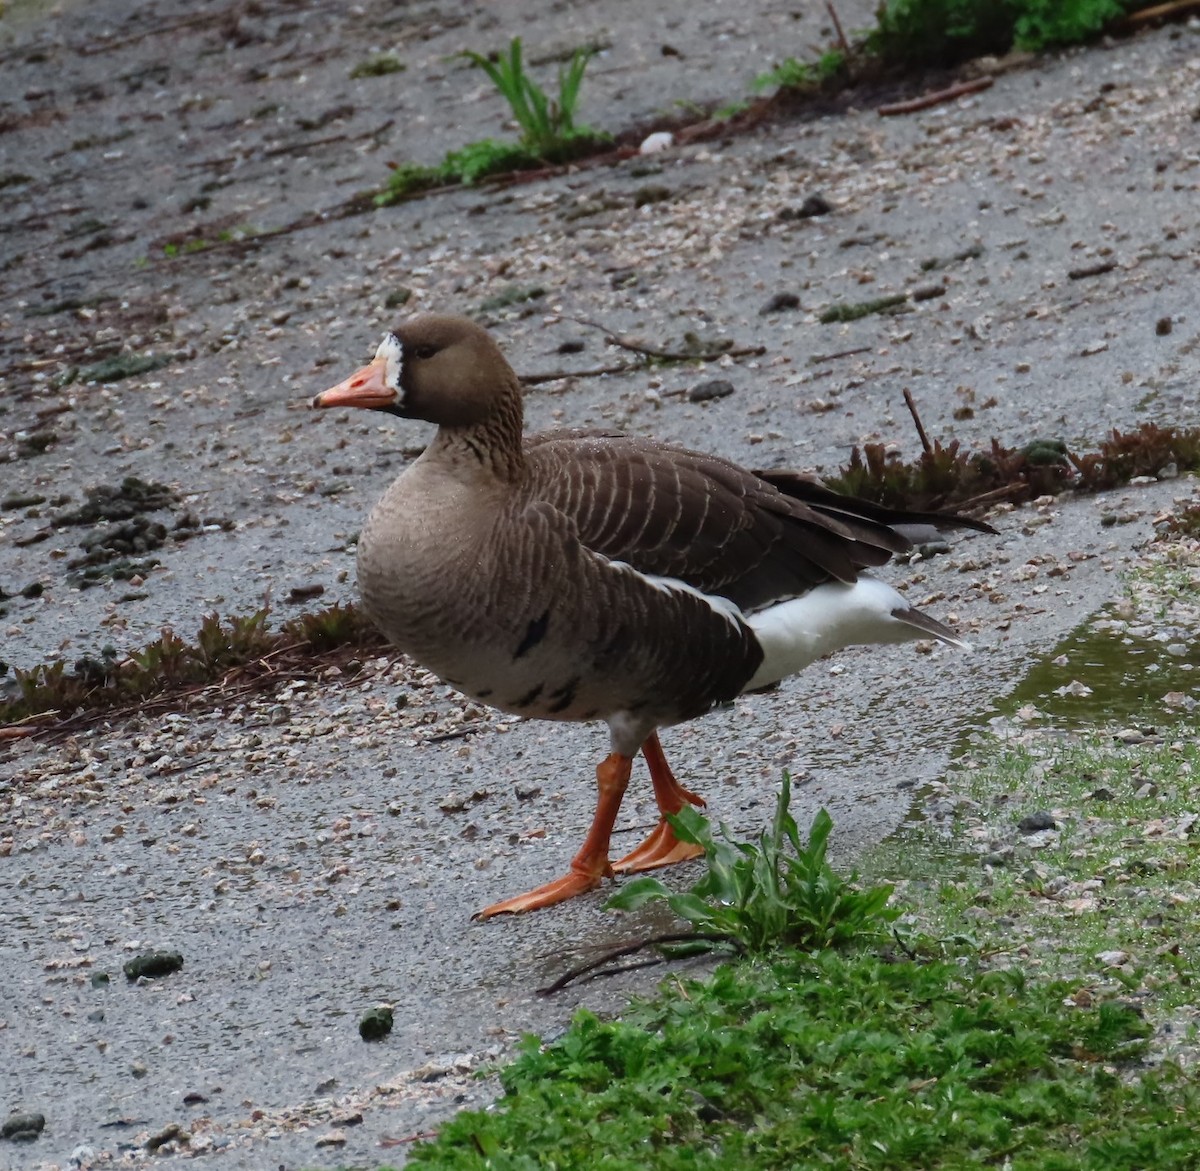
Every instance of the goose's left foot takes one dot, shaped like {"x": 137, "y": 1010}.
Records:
{"x": 662, "y": 847}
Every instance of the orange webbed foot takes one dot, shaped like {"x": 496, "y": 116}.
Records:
{"x": 661, "y": 848}
{"x": 573, "y": 883}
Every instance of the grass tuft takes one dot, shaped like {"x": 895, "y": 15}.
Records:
{"x": 169, "y": 664}
{"x": 776, "y": 893}
{"x": 549, "y": 131}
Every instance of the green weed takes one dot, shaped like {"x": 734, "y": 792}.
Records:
{"x": 379, "y": 66}
{"x": 946, "y": 474}
{"x": 549, "y": 132}
{"x": 548, "y": 128}
{"x": 244, "y": 644}
{"x": 802, "y": 75}
{"x": 943, "y": 32}
{"x": 776, "y": 893}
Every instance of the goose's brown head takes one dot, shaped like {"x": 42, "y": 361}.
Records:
{"x": 444, "y": 370}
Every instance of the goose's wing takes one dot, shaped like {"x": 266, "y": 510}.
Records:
{"x": 703, "y": 520}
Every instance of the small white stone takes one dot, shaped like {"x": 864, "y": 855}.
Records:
{"x": 660, "y": 140}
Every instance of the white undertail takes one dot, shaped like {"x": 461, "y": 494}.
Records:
{"x": 835, "y": 615}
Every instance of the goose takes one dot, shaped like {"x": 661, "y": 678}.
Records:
{"x": 591, "y": 575}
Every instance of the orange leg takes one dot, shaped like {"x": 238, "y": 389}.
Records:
{"x": 662, "y": 847}
{"x": 590, "y": 866}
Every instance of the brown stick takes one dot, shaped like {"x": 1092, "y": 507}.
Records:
{"x": 619, "y": 952}
{"x": 1173, "y": 10}
{"x": 625, "y": 343}
{"x": 595, "y": 372}
{"x": 818, "y": 359}
{"x": 837, "y": 24}
{"x": 912, "y": 410}
{"x": 416, "y": 1137}
{"x": 1078, "y": 274}
{"x": 958, "y": 90}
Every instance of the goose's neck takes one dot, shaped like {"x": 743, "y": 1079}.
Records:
{"x": 494, "y": 446}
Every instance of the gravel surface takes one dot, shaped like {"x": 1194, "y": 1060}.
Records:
{"x": 318, "y": 851}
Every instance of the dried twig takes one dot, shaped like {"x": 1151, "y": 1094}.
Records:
{"x": 595, "y": 372}
{"x": 416, "y": 1137}
{"x": 1078, "y": 274}
{"x": 1173, "y": 10}
{"x": 958, "y": 90}
{"x": 630, "y": 949}
{"x": 837, "y": 24}
{"x": 912, "y": 410}
{"x": 819, "y": 359}
{"x": 616, "y": 339}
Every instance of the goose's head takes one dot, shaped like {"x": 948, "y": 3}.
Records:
{"x": 442, "y": 369}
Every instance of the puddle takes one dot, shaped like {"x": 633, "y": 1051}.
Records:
{"x": 1104, "y": 674}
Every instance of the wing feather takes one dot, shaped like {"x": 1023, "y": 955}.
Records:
{"x": 754, "y": 538}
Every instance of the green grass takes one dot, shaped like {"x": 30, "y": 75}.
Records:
{"x": 802, "y": 75}
{"x": 841, "y": 1061}
{"x": 921, "y": 34}
{"x": 1115, "y": 878}
{"x": 549, "y": 132}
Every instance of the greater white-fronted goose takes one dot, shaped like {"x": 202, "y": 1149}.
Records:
{"x": 586, "y": 575}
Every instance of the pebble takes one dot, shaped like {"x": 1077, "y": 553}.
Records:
{"x": 657, "y": 142}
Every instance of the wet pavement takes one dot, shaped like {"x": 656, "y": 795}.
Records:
{"x": 318, "y": 851}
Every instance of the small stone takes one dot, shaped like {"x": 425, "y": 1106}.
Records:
{"x": 305, "y": 592}
{"x": 1074, "y": 688}
{"x": 153, "y": 964}
{"x": 1163, "y": 326}
{"x": 703, "y": 392}
{"x": 1036, "y": 822}
{"x": 780, "y": 302}
{"x": 1130, "y": 736}
{"x": 651, "y": 193}
{"x": 334, "y": 1138}
{"x": 375, "y": 1023}
{"x": 657, "y": 142}
{"x": 814, "y": 205}
{"x": 22, "y": 1128}
{"x": 1112, "y": 959}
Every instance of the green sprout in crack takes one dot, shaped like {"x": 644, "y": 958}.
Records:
{"x": 778, "y": 892}
{"x": 549, "y": 132}
{"x": 802, "y": 75}
{"x": 548, "y": 127}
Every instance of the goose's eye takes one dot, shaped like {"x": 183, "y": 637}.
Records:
{"x": 422, "y": 352}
